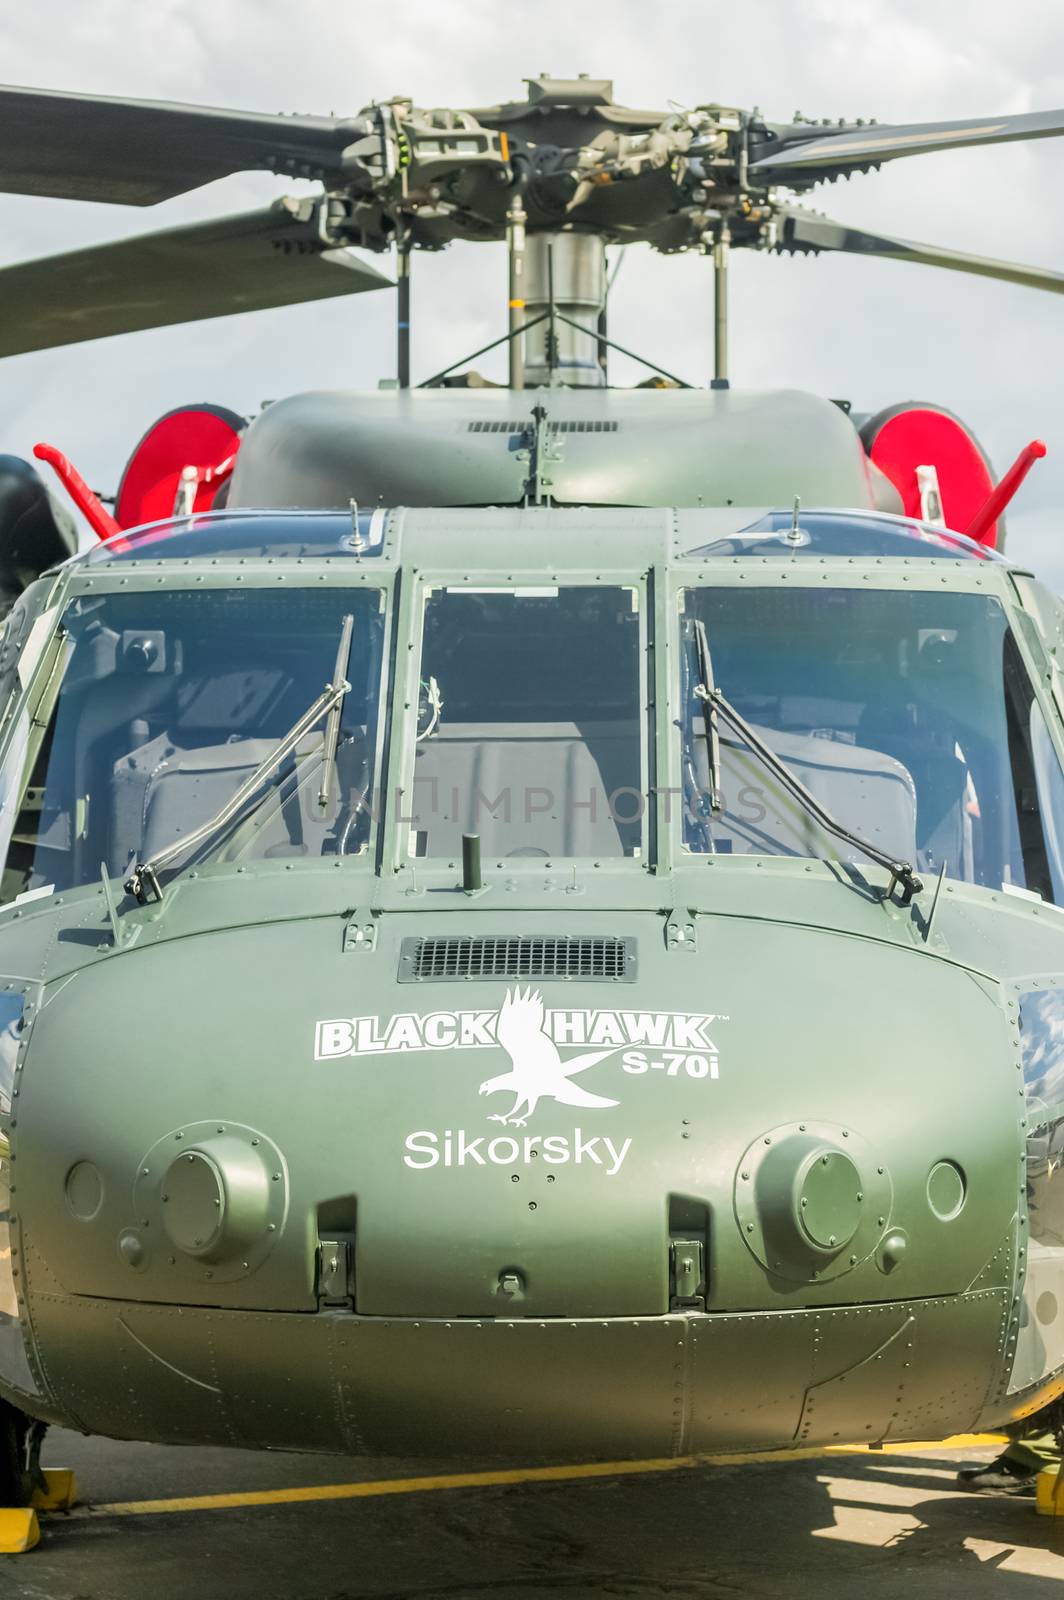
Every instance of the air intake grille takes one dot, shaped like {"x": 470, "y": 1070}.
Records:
{"x": 578, "y": 426}
{"x": 584, "y": 959}
{"x": 583, "y": 427}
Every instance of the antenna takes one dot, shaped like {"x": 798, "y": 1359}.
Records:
{"x": 358, "y": 544}
{"x": 794, "y": 534}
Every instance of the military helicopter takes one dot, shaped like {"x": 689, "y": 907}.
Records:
{"x": 392, "y": 886}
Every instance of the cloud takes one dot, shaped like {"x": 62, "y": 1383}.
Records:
{"x": 875, "y": 332}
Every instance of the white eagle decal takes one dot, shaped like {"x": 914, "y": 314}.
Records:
{"x": 538, "y": 1071}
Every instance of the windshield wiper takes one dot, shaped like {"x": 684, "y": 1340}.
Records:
{"x": 714, "y": 702}
{"x": 144, "y": 877}
{"x": 705, "y": 690}
{"x": 340, "y": 688}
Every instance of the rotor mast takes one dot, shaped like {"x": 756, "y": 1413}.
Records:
{"x": 565, "y": 277}
{"x": 721, "y": 251}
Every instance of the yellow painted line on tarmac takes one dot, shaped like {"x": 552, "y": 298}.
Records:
{"x": 372, "y": 1489}
{"x": 956, "y": 1441}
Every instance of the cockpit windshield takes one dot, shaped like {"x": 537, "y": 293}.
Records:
{"x": 909, "y": 715}
{"x": 528, "y": 731}
{"x": 155, "y": 709}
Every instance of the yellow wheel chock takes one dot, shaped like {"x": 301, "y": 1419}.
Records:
{"x": 19, "y": 1530}
{"x": 19, "y": 1527}
{"x": 60, "y": 1491}
{"x": 1049, "y": 1492}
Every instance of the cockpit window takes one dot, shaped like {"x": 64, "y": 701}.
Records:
{"x": 845, "y": 533}
{"x": 528, "y": 731}
{"x": 156, "y": 707}
{"x": 910, "y": 717}
{"x": 286, "y": 535}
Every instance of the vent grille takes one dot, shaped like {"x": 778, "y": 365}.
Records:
{"x": 583, "y": 958}
{"x": 527, "y": 426}
{"x": 583, "y": 427}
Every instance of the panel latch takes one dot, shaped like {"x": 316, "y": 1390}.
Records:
{"x": 687, "y": 1262}
{"x": 334, "y": 1273}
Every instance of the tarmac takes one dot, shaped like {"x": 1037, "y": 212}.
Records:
{"x": 154, "y": 1523}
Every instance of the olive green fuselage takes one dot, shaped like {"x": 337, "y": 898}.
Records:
{"x": 264, "y": 1192}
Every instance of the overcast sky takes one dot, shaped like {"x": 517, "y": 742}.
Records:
{"x": 873, "y": 332}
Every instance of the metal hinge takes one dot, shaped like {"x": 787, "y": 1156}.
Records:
{"x": 680, "y": 931}
{"x": 360, "y": 930}
{"x": 687, "y": 1263}
{"x": 334, "y": 1273}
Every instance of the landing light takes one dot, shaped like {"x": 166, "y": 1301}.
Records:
{"x": 812, "y": 1200}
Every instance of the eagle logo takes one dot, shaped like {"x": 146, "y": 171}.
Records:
{"x": 538, "y": 1071}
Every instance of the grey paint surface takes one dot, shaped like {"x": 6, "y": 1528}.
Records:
{"x": 434, "y": 447}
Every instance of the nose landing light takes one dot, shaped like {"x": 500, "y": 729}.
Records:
{"x": 829, "y": 1195}
{"x": 216, "y": 1199}
{"x": 811, "y": 1200}
{"x": 218, "y": 1195}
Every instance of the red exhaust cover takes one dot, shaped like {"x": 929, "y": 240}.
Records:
{"x": 916, "y": 435}
{"x": 200, "y": 436}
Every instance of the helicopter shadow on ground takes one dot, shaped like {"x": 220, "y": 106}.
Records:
{"x": 847, "y": 1523}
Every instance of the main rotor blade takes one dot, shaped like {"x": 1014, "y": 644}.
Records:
{"x": 136, "y": 152}
{"x": 809, "y": 153}
{"x": 250, "y": 262}
{"x": 804, "y": 231}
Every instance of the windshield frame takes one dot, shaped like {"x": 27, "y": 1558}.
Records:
{"x": 414, "y": 871}
{"x": 648, "y": 560}
{"x": 995, "y": 581}
{"x": 81, "y": 583}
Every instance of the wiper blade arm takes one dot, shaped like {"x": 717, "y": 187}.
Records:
{"x": 144, "y": 877}
{"x": 332, "y": 726}
{"x": 901, "y": 872}
{"x": 714, "y": 701}
{"x": 705, "y": 690}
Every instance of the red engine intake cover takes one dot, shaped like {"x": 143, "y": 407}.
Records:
{"x": 201, "y": 436}
{"x": 915, "y": 435}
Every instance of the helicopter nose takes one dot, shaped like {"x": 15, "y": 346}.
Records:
{"x": 731, "y": 1176}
